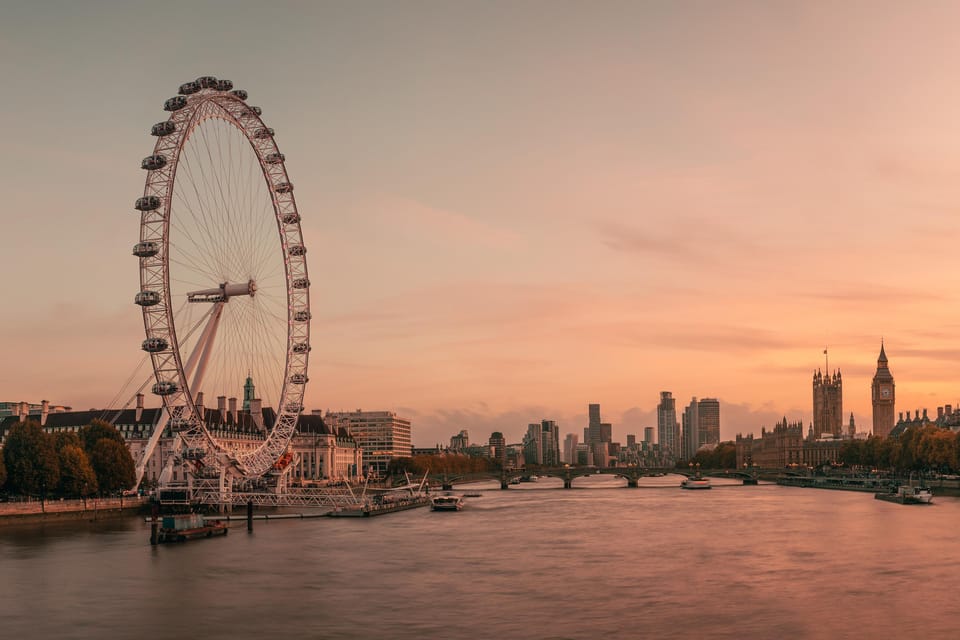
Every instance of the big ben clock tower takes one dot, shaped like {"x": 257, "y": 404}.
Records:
{"x": 883, "y": 394}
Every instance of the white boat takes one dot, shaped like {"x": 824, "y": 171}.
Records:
{"x": 446, "y": 503}
{"x": 695, "y": 483}
{"x": 905, "y": 494}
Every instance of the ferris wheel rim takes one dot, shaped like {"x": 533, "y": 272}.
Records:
{"x": 215, "y": 99}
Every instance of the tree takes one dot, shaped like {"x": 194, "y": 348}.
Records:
{"x": 63, "y": 438}
{"x": 851, "y": 452}
{"x": 76, "y": 475}
{"x": 113, "y": 465}
{"x": 887, "y": 452}
{"x": 937, "y": 449}
{"x": 3, "y": 473}
{"x": 97, "y": 429}
{"x": 31, "y": 460}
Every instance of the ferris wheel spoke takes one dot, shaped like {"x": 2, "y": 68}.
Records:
{"x": 196, "y": 238}
{"x": 193, "y": 240}
{"x": 216, "y": 201}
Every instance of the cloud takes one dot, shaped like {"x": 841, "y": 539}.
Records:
{"x": 698, "y": 337}
{"x": 870, "y": 293}
{"x": 948, "y": 354}
{"x": 423, "y": 221}
{"x": 674, "y": 237}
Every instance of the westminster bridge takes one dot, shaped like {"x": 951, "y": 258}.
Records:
{"x": 632, "y": 474}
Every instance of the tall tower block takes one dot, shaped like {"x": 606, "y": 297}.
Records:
{"x": 883, "y": 394}
{"x": 827, "y": 404}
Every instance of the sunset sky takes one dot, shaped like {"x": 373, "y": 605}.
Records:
{"x": 514, "y": 209}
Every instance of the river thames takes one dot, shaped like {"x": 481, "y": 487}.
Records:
{"x": 532, "y": 562}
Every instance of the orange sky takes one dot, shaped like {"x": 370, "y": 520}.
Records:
{"x": 514, "y": 210}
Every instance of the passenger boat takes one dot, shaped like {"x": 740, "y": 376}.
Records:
{"x": 190, "y": 526}
{"x": 695, "y": 483}
{"x": 905, "y": 494}
{"x": 446, "y": 503}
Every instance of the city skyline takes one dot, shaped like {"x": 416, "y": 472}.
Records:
{"x": 509, "y": 220}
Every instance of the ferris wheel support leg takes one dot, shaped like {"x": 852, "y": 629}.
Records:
{"x": 167, "y": 472}
{"x": 226, "y": 484}
{"x": 209, "y": 333}
{"x": 203, "y": 345}
{"x": 150, "y": 446}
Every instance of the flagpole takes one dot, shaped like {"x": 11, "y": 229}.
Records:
{"x": 826, "y": 364}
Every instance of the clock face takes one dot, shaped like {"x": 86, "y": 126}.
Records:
{"x": 884, "y": 391}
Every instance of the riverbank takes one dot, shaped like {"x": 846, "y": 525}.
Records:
{"x": 940, "y": 487}
{"x": 89, "y": 509}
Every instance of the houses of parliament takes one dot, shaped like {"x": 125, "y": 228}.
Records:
{"x": 786, "y": 445}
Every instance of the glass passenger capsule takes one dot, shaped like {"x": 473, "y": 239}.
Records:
{"x": 146, "y": 249}
{"x": 301, "y": 316}
{"x": 154, "y": 162}
{"x": 291, "y": 217}
{"x": 146, "y": 298}
{"x": 164, "y": 128}
{"x": 189, "y": 87}
{"x": 301, "y": 347}
{"x": 301, "y": 283}
{"x": 275, "y": 158}
{"x": 224, "y": 85}
{"x": 296, "y": 250}
{"x": 240, "y": 93}
{"x": 154, "y": 345}
{"x": 207, "y": 82}
{"x": 165, "y": 388}
{"x": 175, "y": 103}
{"x": 298, "y": 378}
{"x": 147, "y": 203}
{"x": 283, "y": 187}
{"x": 262, "y": 134}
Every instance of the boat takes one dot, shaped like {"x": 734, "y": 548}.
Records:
{"x": 472, "y": 495}
{"x": 906, "y": 494}
{"x": 446, "y": 503}
{"x": 189, "y": 526}
{"x": 695, "y": 483}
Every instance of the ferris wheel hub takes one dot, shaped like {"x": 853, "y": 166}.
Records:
{"x": 224, "y": 292}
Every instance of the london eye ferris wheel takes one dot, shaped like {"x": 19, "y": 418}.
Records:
{"x": 223, "y": 274}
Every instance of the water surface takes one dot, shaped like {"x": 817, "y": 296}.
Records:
{"x": 532, "y": 562}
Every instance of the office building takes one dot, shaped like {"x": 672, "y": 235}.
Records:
{"x": 382, "y": 436}
{"x": 668, "y": 435}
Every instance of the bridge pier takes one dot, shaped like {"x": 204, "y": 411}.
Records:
{"x": 446, "y": 486}
{"x": 568, "y": 483}
{"x": 632, "y": 483}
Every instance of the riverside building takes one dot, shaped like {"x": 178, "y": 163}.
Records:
{"x": 541, "y": 444}
{"x": 381, "y": 435}
{"x": 319, "y": 452}
{"x": 668, "y": 436}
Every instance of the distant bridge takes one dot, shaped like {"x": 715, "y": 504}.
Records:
{"x": 568, "y": 474}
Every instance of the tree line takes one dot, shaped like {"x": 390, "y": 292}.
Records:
{"x": 723, "y": 456}
{"x": 454, "y": 463}
{"x": 928, "y": 448}
{"x": 93, "y": 461}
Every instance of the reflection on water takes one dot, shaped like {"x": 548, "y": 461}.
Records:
{"x": 532, "y": 562}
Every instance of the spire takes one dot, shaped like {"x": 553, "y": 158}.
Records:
{"x": 882, "y": 360}
{"x": 249, "y": 392}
